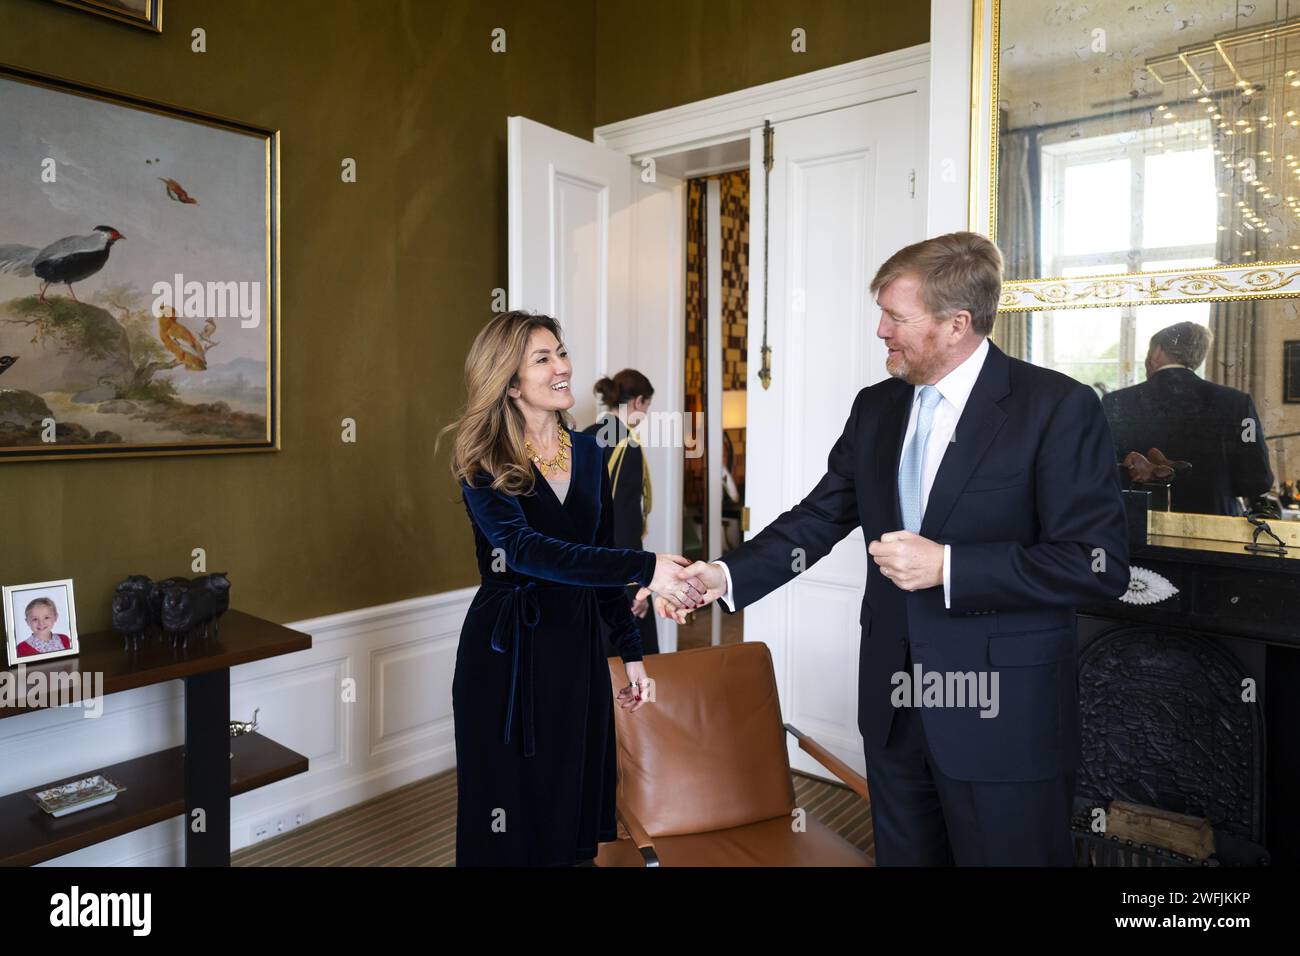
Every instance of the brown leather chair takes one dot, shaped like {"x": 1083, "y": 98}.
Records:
{"x": 703, "y": 774}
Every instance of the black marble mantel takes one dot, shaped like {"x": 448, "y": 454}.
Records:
{"x": 1160, "y": 695}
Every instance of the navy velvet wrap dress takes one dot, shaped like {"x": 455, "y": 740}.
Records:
{"x": 534, "y": 712}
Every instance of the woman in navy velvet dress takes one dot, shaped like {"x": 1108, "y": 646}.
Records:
{"x": 531, "y": 694}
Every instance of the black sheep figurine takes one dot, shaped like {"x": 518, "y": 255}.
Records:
{"x": 156, "y": 592}
{"x": 194, "y": 604}
{"x": 175, "y": 607}
{"x": 185, "y": 607}
{"x": 219, "y": 584}
{"x": 131, "y": 616}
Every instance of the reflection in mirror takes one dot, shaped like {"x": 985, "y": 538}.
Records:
{"x": 1138, "y": 137}
{"x": 1213, "y": 384}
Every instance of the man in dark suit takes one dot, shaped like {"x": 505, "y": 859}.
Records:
{"x": 1214, "y": 427}
{"x": 987, "y": 489}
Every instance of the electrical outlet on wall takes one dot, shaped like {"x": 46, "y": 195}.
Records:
{"x": 280, "y": 823}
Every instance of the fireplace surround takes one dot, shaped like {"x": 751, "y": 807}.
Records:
{"x": 1191, "y": 704}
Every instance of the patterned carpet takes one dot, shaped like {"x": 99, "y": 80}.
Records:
{"x": 415, "y": 825}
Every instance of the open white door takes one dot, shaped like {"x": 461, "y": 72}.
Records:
{"x": 603, "y": 251}
{"x": 847, "y": 191}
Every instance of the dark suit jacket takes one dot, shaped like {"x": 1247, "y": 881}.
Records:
{"x": 1028, "y": 497}
{"x": 609, "y": 431}
{"x": 627, "y": 496}
{"x": 1201, "y": 422}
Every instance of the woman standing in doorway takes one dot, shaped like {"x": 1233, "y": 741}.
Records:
{"x": 535, "y": 760}
{"x": 626, "y": 398}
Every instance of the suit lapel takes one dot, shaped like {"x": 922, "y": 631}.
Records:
{"x": 892, "y": 432}
{"x": 979, "y": 423}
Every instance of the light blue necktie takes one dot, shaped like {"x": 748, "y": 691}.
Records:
{"x": 909, "y": 470}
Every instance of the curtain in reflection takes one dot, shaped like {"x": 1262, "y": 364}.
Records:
{"x": 1233, "y": 358}
{"x": 1017, "y": 227}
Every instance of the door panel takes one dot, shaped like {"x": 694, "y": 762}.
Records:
{"x": 569, "y": 243}
{"x": 847, "y": 190}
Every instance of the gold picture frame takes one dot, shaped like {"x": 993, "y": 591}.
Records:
{"x": 168, "y": 394}
{"x": 146, "y": 14}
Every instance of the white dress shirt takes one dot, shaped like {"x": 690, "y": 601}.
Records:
{"x": 955, "y": 387}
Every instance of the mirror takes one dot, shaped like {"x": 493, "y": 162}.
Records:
{"x": 1249, "y": 368}
{"x": 1142, "y": 137}
{"x": 1146, "y": 174}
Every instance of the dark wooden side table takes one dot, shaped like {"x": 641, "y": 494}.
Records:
{"x": 201, "y": 775}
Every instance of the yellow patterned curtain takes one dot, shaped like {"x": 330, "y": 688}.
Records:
{"x": 733, "y": 190}
{"x": 693, "y": 468}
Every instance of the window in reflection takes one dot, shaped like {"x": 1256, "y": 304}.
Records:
{"x": 1090, "y": 187}
{"x": 1178, "y": 202}
{"x": 1079, "y": 184}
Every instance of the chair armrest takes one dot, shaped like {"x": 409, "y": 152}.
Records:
{"x": 637, "y": 832}
{"x": 855, "y": 781}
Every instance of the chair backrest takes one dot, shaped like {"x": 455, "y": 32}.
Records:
{"x": 709, "y": 752}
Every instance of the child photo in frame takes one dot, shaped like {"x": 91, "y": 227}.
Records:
{"x": 40, "y": 621}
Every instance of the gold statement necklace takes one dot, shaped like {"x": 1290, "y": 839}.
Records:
{"x": 549, "y": 467}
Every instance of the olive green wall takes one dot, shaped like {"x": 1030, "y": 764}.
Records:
{"x": 653, "y": 55}
{"x": 384, "y": 281}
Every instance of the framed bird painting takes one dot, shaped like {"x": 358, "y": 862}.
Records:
{"x": 139, "y": 13}
{"x": 139, "y": 276}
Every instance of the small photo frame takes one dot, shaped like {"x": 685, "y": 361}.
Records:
{"x": 1291, "y": 371}
{"x": 40, "y": 621}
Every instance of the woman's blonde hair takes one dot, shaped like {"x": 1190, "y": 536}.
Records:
{"x": 490, "y": 430}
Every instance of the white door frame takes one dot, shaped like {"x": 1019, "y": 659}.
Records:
{"x": 733, "y": 116}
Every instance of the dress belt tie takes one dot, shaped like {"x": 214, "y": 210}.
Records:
{"x": 518, "y": 614}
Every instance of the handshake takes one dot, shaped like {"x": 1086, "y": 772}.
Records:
{"x": 908, "y": 560}
{"x": 679, "y": 586}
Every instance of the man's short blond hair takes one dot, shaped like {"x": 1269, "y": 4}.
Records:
{"x": 1186, "y": 343}
{"x": 959, "y": 270}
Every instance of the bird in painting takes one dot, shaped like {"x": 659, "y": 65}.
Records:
{"x": 180, "y": 341}
{"x": 63, "y": 261}
{"x": 205, "y": 335}
{"x": 6, "y": 361}
{"x": 176, "y": 191}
